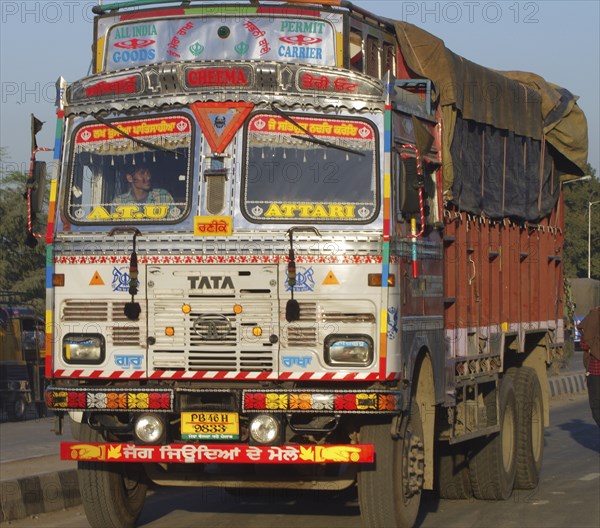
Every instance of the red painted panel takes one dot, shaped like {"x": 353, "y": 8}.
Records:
{"x": 501, "y": 272}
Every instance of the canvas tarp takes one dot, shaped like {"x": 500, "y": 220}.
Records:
{"x": 520, "y": 106}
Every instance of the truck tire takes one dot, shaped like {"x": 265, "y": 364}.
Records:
{"x": 389, "y": 493}
{"x": 17, "y": 409}
{"x": 530, "y": 426}
{"x": 493, "y": 460}
{"x": 453, "y": 477}
{"x": 112, "y": 494}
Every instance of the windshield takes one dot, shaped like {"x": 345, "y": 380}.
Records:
{"x": 140, "y": 177}
{"x": 291, "y": 178}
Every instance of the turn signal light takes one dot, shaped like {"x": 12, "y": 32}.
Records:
{"x": 58, "y": 279}
{"x": 374, "y": 279}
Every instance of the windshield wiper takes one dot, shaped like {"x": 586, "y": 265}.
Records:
{"x": 139, "y": 141}
{"x": 310, "y": 137}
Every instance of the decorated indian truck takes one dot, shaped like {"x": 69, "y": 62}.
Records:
{"x": 299, "y": 245}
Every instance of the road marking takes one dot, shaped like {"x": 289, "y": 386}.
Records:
{"x": 590, "y": 476}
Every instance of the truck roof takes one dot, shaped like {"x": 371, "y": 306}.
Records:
{"x": 522, "y": 102}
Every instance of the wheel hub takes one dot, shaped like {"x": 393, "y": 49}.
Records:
{"x": 415, "y": 462}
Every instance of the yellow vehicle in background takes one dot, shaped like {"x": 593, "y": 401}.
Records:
{"x": 22, "y": 353}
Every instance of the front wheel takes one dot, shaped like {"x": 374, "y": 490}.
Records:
{"x": 113, "y": 494}
{"x": 390, "y": 492}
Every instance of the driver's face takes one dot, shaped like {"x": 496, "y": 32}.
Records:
{"x": 141, "y": 180}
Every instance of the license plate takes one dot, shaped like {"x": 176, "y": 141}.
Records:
{"x": 210, "y": 426}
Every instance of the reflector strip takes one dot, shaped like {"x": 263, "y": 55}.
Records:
{"x": 339, "y": 402}
{"x": 219, "y": 259}
{"x": 222, "y": 375}
{"x": 107, "y": 399}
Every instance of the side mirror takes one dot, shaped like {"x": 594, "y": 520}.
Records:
{"x": 408, "y": 187}
{"x": 38, "y": 186}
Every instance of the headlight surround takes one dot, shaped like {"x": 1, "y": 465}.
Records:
{"x": 84, "y": 349}
{"x": 350, "y": 350}
{"x": 265, "y": 429}
{"x": 150, "y": 429}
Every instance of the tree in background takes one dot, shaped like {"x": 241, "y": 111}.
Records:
{"x": 22, "y": 269}
{"x": 577, "y": 197}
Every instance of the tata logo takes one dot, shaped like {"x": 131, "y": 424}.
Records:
{"x": 211, "y": 283}
{"x": 134, "y": 43}
{"x": 212, "y": 327}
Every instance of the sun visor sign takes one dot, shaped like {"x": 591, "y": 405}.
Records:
{"x": 329, "y": 128}
{"x": 114, "y": 85}
{"x": 304, "y": 40}
{"x": 101, "y": 137}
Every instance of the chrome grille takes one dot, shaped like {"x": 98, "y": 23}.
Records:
{"x": 75, "y": 311}
{"x": 256, "y": 360}
{"x": 296, "y": 335}
{"x": 118, "y": 311}
{"x": 348, "y": 317}
{"x": 212, "y": 337}
{"x": 215, "y": 192}
{"x": 308, "y": 311}
{"x": 212, "y": 360}
{"x": 303, "y": 332}
{"x": 216, "y": 329}
{"x": 168, "y": 360}
{"x": 125, "y": 335}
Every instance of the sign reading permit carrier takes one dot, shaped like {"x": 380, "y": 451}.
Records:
{"x": 210, "y": 426}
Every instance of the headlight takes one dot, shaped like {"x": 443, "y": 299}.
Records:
{"x": 149, "y": 428}
{"x": 352, "y": 350}
{"x": 265, "y": 429}
{"x": 84, "y": 348}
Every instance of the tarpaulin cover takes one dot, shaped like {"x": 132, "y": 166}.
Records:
{"x": 507, "y": 137}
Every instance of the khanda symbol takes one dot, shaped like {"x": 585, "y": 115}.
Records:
{"x": 241, "y": 48}
{"x": 196, "y": 49}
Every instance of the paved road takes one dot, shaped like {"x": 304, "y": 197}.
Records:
{"x": 31, "y": 438}
{"x": 567, "y": 495}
